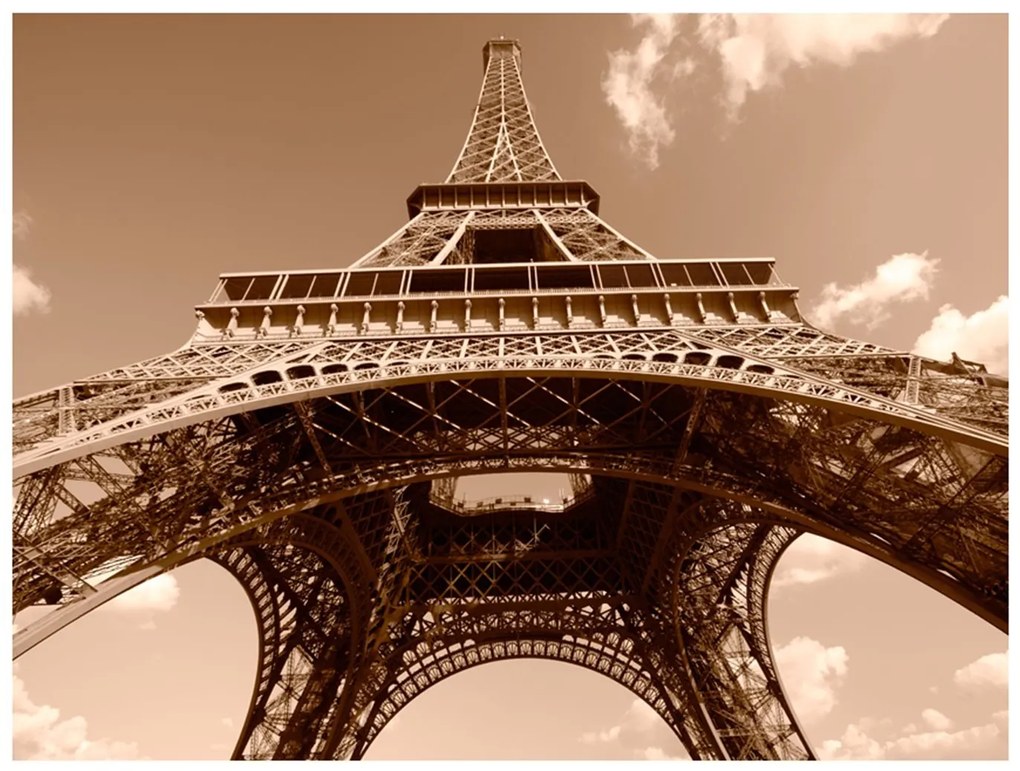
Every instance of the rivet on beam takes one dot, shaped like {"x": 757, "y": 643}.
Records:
{"x": 502, "y": 314}
{"x": 669, "y": 307}
{"x": 367, "y": 318}
{"x": 299, "y": 320}
{"x": 570, "y": 311}
{"x": 765, "y": 305}
{"x": 400, "y": 315}
{"x": 534, "y": 311}
{"x": 733, "y": 306}
{"x": 435, "y": 310}
{"x": 263, "y": 329}
{"x": 634, "y": 307}
{"x": 331, "y": 327}
{"x": 467, "y": 315}
{"x": 701, "y": 308}
{"x": 602, "y": 309}
{"x": 232, "y": 324}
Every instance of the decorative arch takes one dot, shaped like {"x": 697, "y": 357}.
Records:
{"x": 685, "y": 471}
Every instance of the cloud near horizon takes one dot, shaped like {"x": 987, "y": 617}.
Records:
{"x": 902, "y": 278}
{"x": 981, "y": 742}
{"x": 639, "y": 734}
{"x": 982, "y": 337}
{"x": 38, "y": 733}
{"x": 753, "y": 52}
{"x": 936, "y": 719}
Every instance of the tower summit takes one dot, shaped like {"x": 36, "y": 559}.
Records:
{"x": 309, "y": 434}
{"x": 503, "y": 143}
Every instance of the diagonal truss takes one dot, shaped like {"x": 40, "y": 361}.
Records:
{"x": 309, "y": 436}
{"x": 503, "y": 142}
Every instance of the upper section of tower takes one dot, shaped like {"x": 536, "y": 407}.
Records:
{"x": 503, "y": 144}
{"x": 503, "y": 245}
{"x": 501, "y": 47}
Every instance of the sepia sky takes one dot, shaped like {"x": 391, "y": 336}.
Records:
{"x": 868, "y": 155}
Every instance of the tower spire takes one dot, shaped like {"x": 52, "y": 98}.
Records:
{"x": 503, "y": 143}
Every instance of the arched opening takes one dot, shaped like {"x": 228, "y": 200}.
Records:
{"x": 300, "y": 371}
{"x": 932, "y": 625}
{"x": 878, "y": 665}
{"x": 179, "y": 651}
{"x": 266, "y": 377}
{"x": 730, "y": 362}
{"x": 526, "y": 709}
{"x": 876, "y": 605}
{"x": 520, "y": 490}
{"x": 700, "y": 358}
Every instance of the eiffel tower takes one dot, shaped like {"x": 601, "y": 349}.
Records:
{"x": 310, "y": 435}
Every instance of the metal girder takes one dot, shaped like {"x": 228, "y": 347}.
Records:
{"x": 502, "y": 143}
{"x": 669, "y": 357}
{"x": 713, "y": 437}
{"x": 763, "y": 450}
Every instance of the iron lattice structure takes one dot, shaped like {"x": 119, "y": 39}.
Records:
{"x": 309, "y": 435}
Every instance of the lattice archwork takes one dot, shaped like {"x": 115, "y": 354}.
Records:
{"x": 309, "y": 435}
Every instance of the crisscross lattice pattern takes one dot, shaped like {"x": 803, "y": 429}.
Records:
{"x": 315, "y": 462}
{"x": 503, "y": 143}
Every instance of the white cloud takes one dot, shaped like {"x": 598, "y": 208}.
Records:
{"x": 854, "y": 744}
{"x": 601, "y": 737}
{"x": 982, "y": 337}
{"x": 901, "y": 278}
{"x": 628, "y": 86}
{"x": 26, "y": 294}
{"x": 159, "y": 594}
{"x": 978, "y": 742}
{"x": 657, "y": 753}
{"x": 757, "y": 49}
{"x": 812, "y": 673}
{"x": 754, "y": 52}
{"x": 811, "y": 559}
{"x": 640, "y": 733}
{"x": 936, "y": 719}
{"x": 38, "y": 733}
{"x": 988, "y": 671}
{"x": 982, "y": 742}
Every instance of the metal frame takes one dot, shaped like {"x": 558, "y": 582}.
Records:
{"x": 311, "y": 453}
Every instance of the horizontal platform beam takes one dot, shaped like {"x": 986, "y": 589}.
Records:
{"x": 464, "y": 196}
